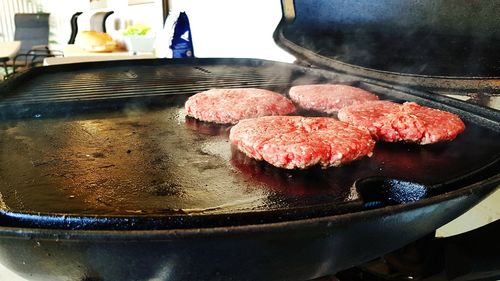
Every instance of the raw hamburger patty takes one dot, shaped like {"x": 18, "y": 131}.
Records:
{"x": 328, "y": 98}
{"x": 299, "y": 142}
{"x": 410, "y": 122}
{"x": 232, "y": 105}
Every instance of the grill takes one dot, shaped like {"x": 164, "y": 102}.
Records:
{"x": 98, "y": 158}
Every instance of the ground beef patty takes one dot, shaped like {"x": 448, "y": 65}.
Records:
{"x": 410, "y": 122}
{"x": 328, "y": 98}
{"x": 299, "y": 142}
{"x": 231, "y": 105}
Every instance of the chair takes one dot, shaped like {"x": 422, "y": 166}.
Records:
{"x": 33, "y": 32}
{"x": 74, "y": 27}
{"x": 98, "y": 21}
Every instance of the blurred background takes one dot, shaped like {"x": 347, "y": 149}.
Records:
{"x": 220, "y": 28}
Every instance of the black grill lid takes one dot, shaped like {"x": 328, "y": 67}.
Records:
{"x": 402, "y": 41}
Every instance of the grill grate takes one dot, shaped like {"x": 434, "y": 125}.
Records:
{"x": 64, "y": 90}
{"x": 123, "y": 82}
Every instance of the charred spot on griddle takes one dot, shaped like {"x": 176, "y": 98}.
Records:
{"x": 163, "y": 188}
{"x": 202, "y": 152}
{"x": 209, "y": 164}
{"x": 159, "y": 159}
{"x": 133, "y": 124}
{"x": 98, "y": 154}
{"x": 165, "y": 133}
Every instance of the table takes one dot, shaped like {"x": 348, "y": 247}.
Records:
{"x": 75, "y": 54}
{"x": 7, "y": 51}
{"x": 77, "y": 59}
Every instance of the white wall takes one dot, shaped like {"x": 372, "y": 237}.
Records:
{"x": 228, "y": 28}
{"x": 149, "y": 13}
{"x": 220, "y": 28}
{"x": 60, "y": 16}
{"x": 8, "y": 8}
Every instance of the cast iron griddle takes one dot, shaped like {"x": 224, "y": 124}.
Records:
{"x": 91, "y": 145}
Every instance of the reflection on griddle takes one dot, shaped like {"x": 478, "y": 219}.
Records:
{"x": 207, "y": 128}
{"x": 311, "y": 182}
{"x": 414, "y": 162}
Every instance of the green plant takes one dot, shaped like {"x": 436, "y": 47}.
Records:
{"x": 137, "y": 29}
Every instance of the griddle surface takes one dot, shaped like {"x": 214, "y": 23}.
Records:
{"x": 147, "y": 159}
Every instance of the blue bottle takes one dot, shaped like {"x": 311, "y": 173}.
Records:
{"x": 182, "y": 43}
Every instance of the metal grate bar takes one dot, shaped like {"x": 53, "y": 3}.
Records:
{"x": 112, "y": 85}
{"x": 145, "y": 81}
{"x": 130, "y": 93}
{"x": 81, "y": 92}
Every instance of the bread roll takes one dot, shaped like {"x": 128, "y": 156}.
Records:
{"x": 94, "y": 41}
